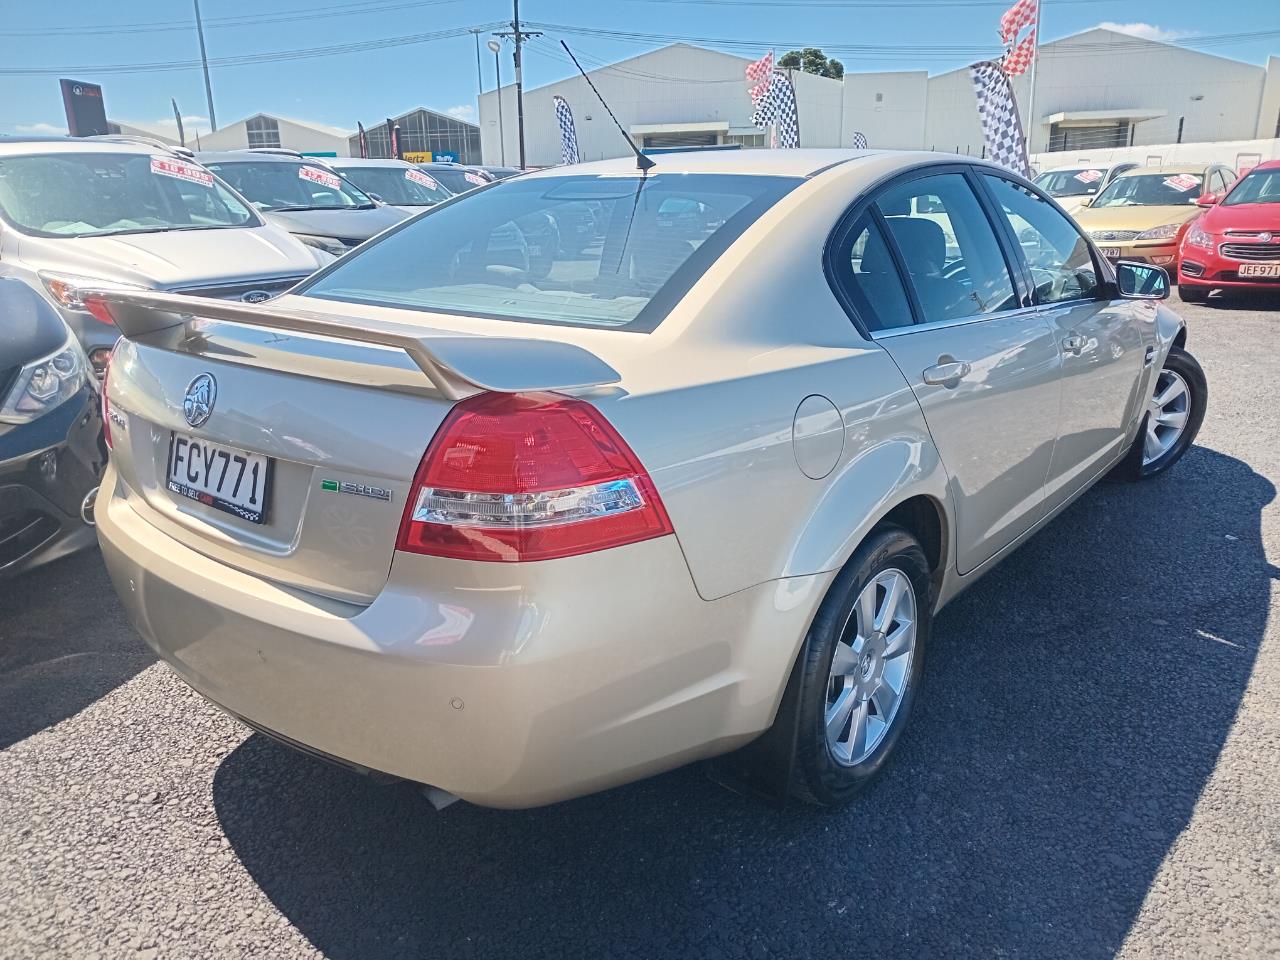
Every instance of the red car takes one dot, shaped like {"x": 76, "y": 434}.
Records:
{"x": 1235, "y": 243}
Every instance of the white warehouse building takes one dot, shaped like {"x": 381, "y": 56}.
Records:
{"x": 1095, "y": 89}
{"x": 266, "y": 130}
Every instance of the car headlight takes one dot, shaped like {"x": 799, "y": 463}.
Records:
{"x": 1197, "y": 236}
{"x": 46, "y": 383}
{"x": 1166, "y": 231}
{"x": 67, "y": 290}
{"x": 330, "y": 245}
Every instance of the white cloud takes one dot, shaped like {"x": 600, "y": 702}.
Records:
{"x": 463, "y": 111}
{"x": 1147, "y": 31}
{"x": 191, "y": 123}
{"x": 41, "y": 128}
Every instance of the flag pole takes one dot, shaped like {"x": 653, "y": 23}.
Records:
{"x": 1031, "y": 97}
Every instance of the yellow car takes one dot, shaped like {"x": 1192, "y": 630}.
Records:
{"x": 1142, "y": 214}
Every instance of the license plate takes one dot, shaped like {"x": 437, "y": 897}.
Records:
{"x": 1260, "y": 270}
{"x": 229, "y": 479}
{"x": 1111, "y": 253}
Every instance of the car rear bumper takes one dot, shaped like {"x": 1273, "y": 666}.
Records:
{"x": 507, "y": 685}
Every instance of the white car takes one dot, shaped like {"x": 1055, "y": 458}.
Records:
{"x": 1072, "y": 186}
{"x": 108, "y": 213}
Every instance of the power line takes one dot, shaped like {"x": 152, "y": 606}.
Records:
{"x": 243, "y": 20}
{"x": 306, "y": 53}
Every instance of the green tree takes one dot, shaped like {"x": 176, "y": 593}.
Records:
{"x": 812, "y": 60}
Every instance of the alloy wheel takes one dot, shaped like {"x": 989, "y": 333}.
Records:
{"x": 871, "y": 667}
{"x": 1167, "y": 414}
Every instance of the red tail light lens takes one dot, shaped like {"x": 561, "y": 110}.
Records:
{"x": 518, "y": 477}
{"x": 98, "y": 309}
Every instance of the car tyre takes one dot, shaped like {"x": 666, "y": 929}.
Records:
{"x": 831, "y": 768}
{"x": 1156, "y": 450}
{"x": 1188, "y": 293}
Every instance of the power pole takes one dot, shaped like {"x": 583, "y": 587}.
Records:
{"x": 519, "y": 36}
{"x": 204, "y": 62}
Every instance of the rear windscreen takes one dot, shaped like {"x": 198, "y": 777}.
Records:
{"x": 606, "y": 251}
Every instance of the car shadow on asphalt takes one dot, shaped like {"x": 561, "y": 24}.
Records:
{"x": 1075, "y": 703}
{"x": 63, "y": 644}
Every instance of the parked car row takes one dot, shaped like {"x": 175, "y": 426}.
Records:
{"x": 127, "y": 213}
{"x": 1210, "y": 227}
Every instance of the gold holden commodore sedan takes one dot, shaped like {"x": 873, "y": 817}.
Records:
{"x": 1142, "y": 214}
{"x": 524, "y": 533}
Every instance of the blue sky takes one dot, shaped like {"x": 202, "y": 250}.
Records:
{"x": 373, "y": 83}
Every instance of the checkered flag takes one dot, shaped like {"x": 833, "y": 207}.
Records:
{"x": 758, "y": 73}
{"x": 998, "y": 112}
{"x": 1018, "y": 60}
{"x": 568, "y": 133}
{"x": 859, "y": 141}
{"x": 778, "y": 106}
{"x": 1021, "y": 14}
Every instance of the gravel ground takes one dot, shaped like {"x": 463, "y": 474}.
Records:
{"x": 1093, "y": 769}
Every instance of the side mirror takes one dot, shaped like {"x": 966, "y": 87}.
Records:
{"x": 1141, "y": 281}
{"x": 1086, "y": 201}
{"x": 374, "y": 196}
{"x": 1207, "y": 200}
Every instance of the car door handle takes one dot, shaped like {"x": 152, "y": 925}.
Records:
{"x": 1074, "y": 345}
{"x": 946, "y": 374}
{"x": 1150, "y": 357}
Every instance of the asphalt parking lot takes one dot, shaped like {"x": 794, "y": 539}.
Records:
{"x": 1093, "y": 769}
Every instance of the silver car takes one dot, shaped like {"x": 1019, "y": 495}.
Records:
{"x": 523, "y": 535}
{"x": 395, "y": 182}
{"x": 78, "y": 213}
{"x": 304, "y": 196}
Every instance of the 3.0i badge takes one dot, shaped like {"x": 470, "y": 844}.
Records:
{"x": 359, "y": 489}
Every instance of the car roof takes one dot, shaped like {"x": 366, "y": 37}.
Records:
{"x": 253, "y": 156}
{"x": 366, "y": 162}
{"x": 805, "y": 162}
{"x": 1196, "y": 168}
{"x": 23, "y": 145}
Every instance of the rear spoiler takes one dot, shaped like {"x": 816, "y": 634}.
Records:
{"x": 458, "y": 365}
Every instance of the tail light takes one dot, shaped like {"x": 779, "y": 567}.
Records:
{"x": 535, "y": 476}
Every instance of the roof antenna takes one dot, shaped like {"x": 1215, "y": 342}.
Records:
{"x": 643, "y": 163}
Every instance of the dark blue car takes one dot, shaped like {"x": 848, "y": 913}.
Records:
{"x": 51, "y": 446}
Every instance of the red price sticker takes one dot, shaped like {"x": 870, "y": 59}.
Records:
{"x": 417, "y": 176}
{"x": 475, "y": 178}
{"x": 1089, "y": 176}
{"x": 181, "y": 170}
{"x": 1182, "y": 182}
{"x": 322, "y": 177}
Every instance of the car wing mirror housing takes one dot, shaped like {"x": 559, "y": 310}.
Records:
{"x": 1142, "y": 281}
{"x": 1207, "y": 200}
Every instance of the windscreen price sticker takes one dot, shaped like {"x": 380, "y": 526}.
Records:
{"x": 1089, "y": 176}
{"x": 1182, "y": 182}
{"x": 417, "y": 176}
{"x": 168, "y": 167}
{"x": 325, "y": 179}
{"x": 475, "y": 178}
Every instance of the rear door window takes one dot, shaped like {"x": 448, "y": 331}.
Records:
{"x": 953, "y": 259}
{"x": 605, "y": 251}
